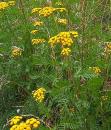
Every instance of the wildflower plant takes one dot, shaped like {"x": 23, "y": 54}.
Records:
{"x": 39, "y": 94}
{"x": 17, "y": 123}
{"x": 55, "y": 65}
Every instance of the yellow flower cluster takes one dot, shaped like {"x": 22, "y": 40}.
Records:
{"x": 35, "y": 10}
{"x": 65, "y": 51}
{"x": 39, "y": 94}
{"x": 59, "y": 3}
{"x": 21, "y": 126}
{"x": 4, "y": 5}
{"x": 95, "y": 69}
{"x": 15, "y": 120}
{"x": 61, "y": 9}
{"x": 62, "y": 21}
{"x": 64, "y": 38}
{"x": 47, "y": 11}
{"x": 11, "y": 3}
{"x": 107, "y": 49}
{"x": 16, "y": 123}
{"x": 38, "y": 41}
{"x": 16, "y": 51}
{"x": 34, "y": 123}
{"x": 38, "y": 23}
{"x": 34, "y": 31}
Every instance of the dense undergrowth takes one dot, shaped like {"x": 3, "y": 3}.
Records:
{"x": 55, "y": 65}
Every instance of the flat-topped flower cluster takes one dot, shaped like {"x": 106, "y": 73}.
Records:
{"x": 18, "y": 123}
{"x": 4, "y": 5}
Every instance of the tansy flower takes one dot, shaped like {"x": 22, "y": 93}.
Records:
{"x": 14, "y": 127}
{"x": 74, "y": 33}
{"x": 3, "y": 5}
{"x": 61, "y": 9}
{"x": 39, "y": 94}
{"x": 16, "y": 51}
{"x": 107, "y": 48}
{"x": 62, "y": 21}
{"x": 15, "y": 120}
{"x": 59, "y": 3}
{"x": 95, "y": 69}
{"x": 64, "y": 38}
{"x": 34, "y": 31}
{"x": 38, "y": 23}
{"x": 46, "y": 11}
{"x": 37, "y": 41}
{"x": 17, "y": 123}
{"x": 11, "y": 3}
{"x": 65, "y": 51}
{"x": 35, "y": 10}
{"x": 32, "y": 122}
{"x": 23, "y": 126}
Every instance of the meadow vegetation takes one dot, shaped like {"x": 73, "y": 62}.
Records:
{"x": 55, "y": 65}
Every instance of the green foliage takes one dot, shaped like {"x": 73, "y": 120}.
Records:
{"x": 76, "y": 97}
